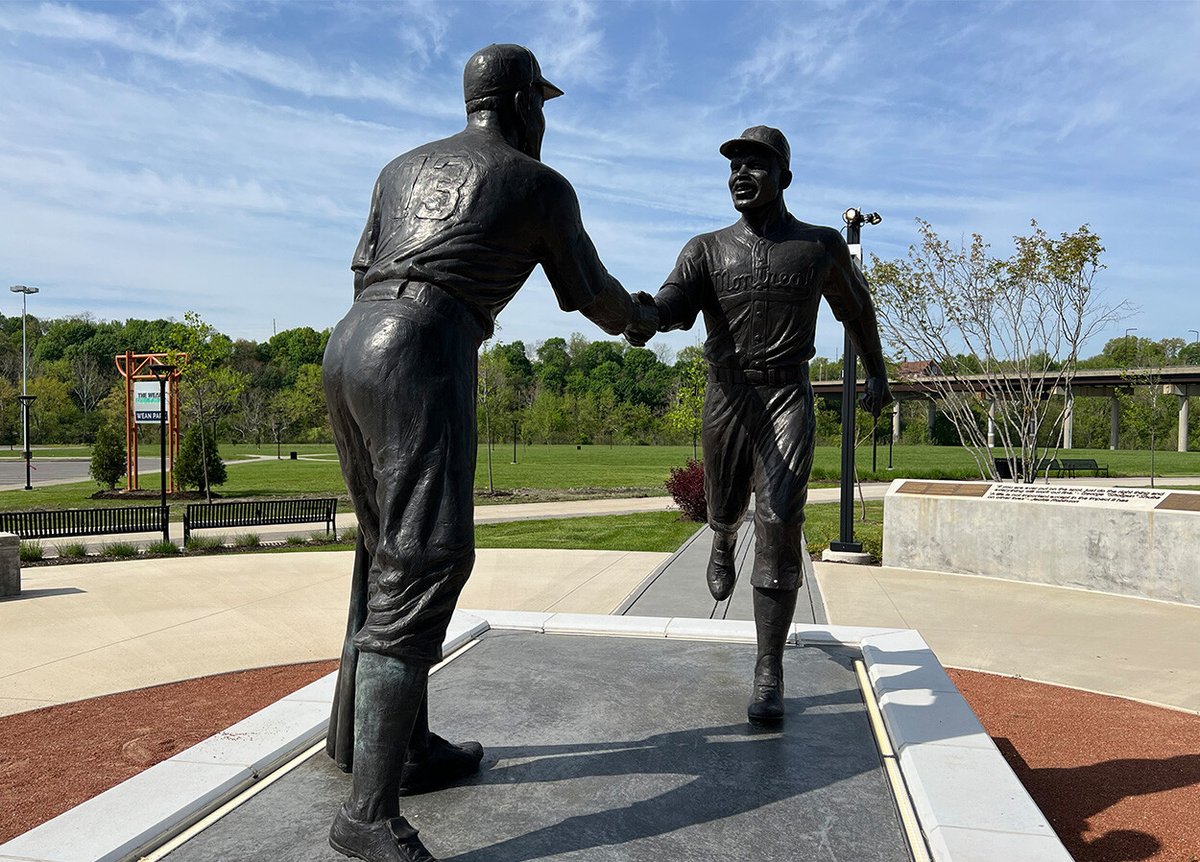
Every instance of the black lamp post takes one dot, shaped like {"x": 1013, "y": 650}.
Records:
{"x": 854, "y": 219}
{"x": 162, "y": 373}
{"x": 25, "y": 398}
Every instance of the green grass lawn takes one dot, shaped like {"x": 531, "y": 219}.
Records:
{"x": 665, "y": 531}
{"x": 566, "y": 472}
{"x": 661, "y": 532}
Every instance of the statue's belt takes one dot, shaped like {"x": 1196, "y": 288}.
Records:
{"x": 781, "y": 376}
{"x": 429, "y": 295}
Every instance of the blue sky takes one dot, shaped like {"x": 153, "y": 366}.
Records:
{"x": 159, "y": 157}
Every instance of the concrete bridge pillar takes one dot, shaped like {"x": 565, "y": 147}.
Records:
{"x": 1114, "y": 421}
{"x": 931, "y": 414}
{"x": 1184, "y": 408}
{"x": 895, "y": 421}
{"x": 1068, "y": 428}
{"x": 991, "y": 424}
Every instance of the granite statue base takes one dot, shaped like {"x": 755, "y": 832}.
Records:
{"x": 612, "y": 748}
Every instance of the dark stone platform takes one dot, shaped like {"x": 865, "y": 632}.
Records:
{"x": 610, "y": 748}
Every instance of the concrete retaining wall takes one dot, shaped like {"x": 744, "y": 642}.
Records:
{"x": 1134, "y": 542}
{"x": 10, "y": 564}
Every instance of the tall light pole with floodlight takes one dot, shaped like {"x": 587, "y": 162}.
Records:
{"x": 25, "y": 398}
{"x": 854, "y": 219}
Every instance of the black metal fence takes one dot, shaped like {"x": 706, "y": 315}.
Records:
{"x": 65, "y": 523}
{"x": 202, "y": 516}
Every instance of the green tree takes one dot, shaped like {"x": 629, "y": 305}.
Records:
{"x": 687, "y": 408}
{"x": 53, "y": 417}
{"x": 644, "y": 379}
{"x": 1019, "y": 319}
{"x": 280, "y": 418}
{"x": 209, "y": 388}
{"x": 490, "y": 395}
{"x": 1148, "y": 413}
{"x": 108, "y": 456}
{"x": 308, "y": 409}
{"x": 292, "y": 349}
{"x": 199, "y": 464}
{"x": 553, "y": 365}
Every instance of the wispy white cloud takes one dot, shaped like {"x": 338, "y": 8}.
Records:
{"x": 201, "y": 46}
{"x": 159, "y": 156}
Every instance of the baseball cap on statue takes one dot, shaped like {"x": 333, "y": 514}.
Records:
{"x": 504, "y": 69}
{"x": 759, "y": 137}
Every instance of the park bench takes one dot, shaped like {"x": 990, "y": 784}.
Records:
{"x": 66, "y": 523}
{"x": 1069, "y": 467}
{"x": 204, "y": 516}
{"x": 1046, "y": 466}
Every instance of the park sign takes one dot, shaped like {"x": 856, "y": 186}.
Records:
{"x": 147, "y": 404}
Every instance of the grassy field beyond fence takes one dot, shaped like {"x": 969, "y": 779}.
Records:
{"x": 563, "y": 472}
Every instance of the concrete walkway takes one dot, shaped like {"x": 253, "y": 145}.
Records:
{"x": 1139, "y": 648}
{"x": 79, "y": 631}
{"x": 96, "y": 628}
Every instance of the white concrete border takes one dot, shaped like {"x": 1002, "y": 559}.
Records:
{"x": 970, "y": 805}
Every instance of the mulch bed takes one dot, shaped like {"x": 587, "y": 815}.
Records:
{"x": 1119, "y": 780}
{"x": 52, "y": 759}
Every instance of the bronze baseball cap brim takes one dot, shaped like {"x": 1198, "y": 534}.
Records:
{"x": 730, "y": 147}
{"x": 549, "y": 91}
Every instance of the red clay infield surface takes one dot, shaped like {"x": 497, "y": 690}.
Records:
{"x": 1119, "y": 780}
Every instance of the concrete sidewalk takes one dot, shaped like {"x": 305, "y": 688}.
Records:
{"x": 1138, "y": 648}
{"x": 79, "y": 631}
{"x": 96, "y": 628}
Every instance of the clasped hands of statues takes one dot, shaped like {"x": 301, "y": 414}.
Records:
{"x": 646, "y": 322}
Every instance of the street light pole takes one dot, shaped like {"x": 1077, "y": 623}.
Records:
{"x": 25, "y": 398}
{"x": 163, "y": 373}
{"x": 854, "y": 219}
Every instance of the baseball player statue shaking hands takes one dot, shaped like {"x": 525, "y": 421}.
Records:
{"x": 759, "y": 284}
{"x": 456, "y": 227}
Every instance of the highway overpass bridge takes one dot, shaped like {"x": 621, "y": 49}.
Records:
{"x": 1182, "y": 381}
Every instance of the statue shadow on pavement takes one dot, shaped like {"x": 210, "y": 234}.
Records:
{"x": 718, "y": 766}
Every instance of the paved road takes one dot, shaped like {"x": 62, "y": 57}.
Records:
{"x": 46, "y": 471}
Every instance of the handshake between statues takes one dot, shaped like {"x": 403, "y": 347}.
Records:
{"x": 645, "y": 320}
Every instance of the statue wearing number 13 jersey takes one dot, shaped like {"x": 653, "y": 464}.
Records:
{"x": 455, "y": 228}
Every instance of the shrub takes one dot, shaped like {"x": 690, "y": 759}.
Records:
{"x": 296, "y": 540}
{"x": 163, "y": 548}
{"x": 108, "y": 457}
{"x": 73, "y": 550}
{"x": 190, "y": 464}
{"x": 205, "y": 543}
{"x": 120, "y": 549}
{"x": 687, "y": 487}
{"x": 31, "y": 551}
{"x": 348, "y": 535}
{"x": 246, "y": 540}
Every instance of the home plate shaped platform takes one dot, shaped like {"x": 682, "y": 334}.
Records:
{"x": 610, "y": 738}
